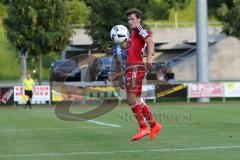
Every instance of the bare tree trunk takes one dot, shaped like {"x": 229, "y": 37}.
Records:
{"x": 40, "y": 68}
{"x": 176, "y": 19}
{"x": 23, "y": 65}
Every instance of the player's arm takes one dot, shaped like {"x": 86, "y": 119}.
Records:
{"x": 117, "y": 76}
{"x": 150, "y": 51}
{"x": 146, "y": 36}
{"x": 118, "y": 73}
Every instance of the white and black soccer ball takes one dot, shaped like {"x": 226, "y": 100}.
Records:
{"x": 119, "y": 34}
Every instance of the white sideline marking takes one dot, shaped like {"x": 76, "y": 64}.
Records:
{"x": 96, "y": 122}
{"x": 114, "y": 152}
{"x": 104, "y": 124}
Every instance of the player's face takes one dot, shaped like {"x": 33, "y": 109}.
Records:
{"x": 133, "y": 21}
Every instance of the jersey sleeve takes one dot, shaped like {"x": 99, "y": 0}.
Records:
{"x": 143, "y": 33}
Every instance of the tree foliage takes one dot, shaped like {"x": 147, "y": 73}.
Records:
{"x": 231, "y": 18}
{"x": 107, "y": 13}
{"x": 37, "y": 28}
{"x": 177, "y": 5}
{"x": 5, "y": 1}
{"x": 227, "y": 11}
{"x": 217, "y": 8}
{"x": 157, "y": 10}
{"x": 77, "y": 11}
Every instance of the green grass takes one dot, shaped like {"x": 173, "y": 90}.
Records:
{"x": 9, "y": 62}
{"x": 37, "y": 134}
{"x": 187, "y": 15}
{"x": 2, "y": 10}
{"x": 186, "y": 18}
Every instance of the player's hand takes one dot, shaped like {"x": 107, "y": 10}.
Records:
{"x": 110, "y": 78}
{"x": 124, "y": 45}
{"x": 121, "y": 84}
{"x": 149, "y": 64}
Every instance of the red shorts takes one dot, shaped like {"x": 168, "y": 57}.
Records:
{"x": 134, "y": 80}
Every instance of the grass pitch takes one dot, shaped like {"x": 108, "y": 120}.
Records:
{"x": 190, "y": 131}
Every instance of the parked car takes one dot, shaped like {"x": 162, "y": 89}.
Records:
{"x": 104, "y": 66}
{"x": 65, "y": 70}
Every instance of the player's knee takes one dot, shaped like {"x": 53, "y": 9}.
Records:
{"x": 138, "y": 100}
{"x": 131, "y": 101}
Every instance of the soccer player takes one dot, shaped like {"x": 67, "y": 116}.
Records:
{"x": 139, "y": 40}
{"x": 28, "y": 85}
{"x": 129, "y": 63}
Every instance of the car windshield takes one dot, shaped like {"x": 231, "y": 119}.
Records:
{"x": 65, "y": 63}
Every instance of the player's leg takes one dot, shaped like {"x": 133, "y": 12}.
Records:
{"x": 25, "y": 107}
{"x": 132, "y": 87}
{"x": 29, "y": 103}
{"x": 30, "y": 99}
{"x": 146, "y": 112}
{"x": 155, "y": 127}
{"x": 145, "y": 109}
{"x": 137, "y": 110}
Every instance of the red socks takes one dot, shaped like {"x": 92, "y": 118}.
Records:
{"x": 140, "y": 111}
{"x": 148, "y": 115}
{"x": 137, "y": 110}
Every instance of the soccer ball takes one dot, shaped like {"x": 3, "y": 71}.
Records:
{"x": 119, "y": 34}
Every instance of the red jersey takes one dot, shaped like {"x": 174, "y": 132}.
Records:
{"x": 136, "y": 46}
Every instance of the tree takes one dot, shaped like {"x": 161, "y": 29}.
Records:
{"x": 77, "y": 11}
{"x": 107, "y": 13}
{"x": 5, "y": 1}
{"x": 177, "y": 5}
{"x": 227, "y": 11}
{"x": 231, "y": 19}
{"x": 218, "y": 8}
{"x": 157, "y": 10}
{"x": 37, "y": 28}
{"x": 2, "y": 10}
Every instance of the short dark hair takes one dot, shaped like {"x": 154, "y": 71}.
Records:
{"x": 135, "y": 11}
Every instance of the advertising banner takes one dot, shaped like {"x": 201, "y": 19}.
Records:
{"x": 171, "y": 90}
{"x": 205, "y": 90}
{"x": 41, "y": 94}
{"x": 232, "y": 89}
